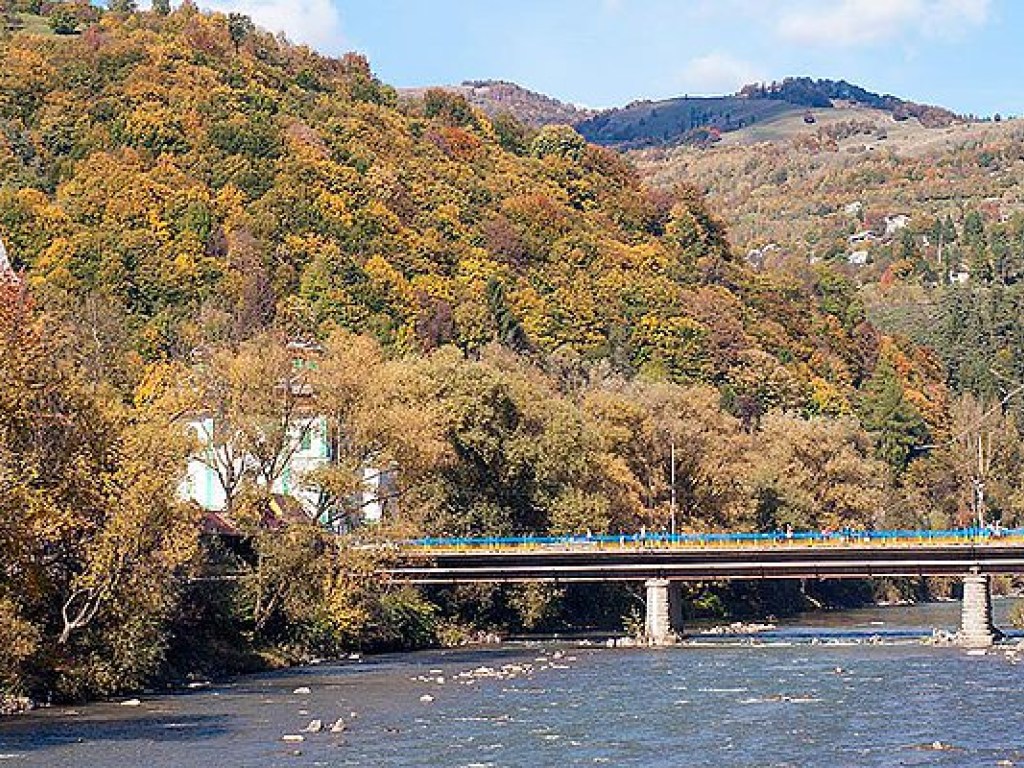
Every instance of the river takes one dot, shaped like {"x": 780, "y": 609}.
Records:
{"x": 845, "y": 689}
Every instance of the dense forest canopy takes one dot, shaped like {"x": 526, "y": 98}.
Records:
{"x": 508, "y": 315}
{"x": 192, "y": 185}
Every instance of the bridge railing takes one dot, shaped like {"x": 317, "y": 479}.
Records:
{"x": 652, "y": 540}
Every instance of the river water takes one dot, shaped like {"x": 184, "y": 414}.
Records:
{"x": 846, "y": 689}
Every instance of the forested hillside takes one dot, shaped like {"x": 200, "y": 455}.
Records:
{"x": 509, "y": 316}
{"x": 929, "y": 225}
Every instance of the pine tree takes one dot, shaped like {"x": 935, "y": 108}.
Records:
{"x": 63, "y": 21}
{"x": 897, "y": 426}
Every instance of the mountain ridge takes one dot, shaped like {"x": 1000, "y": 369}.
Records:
{"x": 697, "y": 120}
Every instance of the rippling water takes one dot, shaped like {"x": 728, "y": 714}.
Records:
{"x": 839, "y": 690}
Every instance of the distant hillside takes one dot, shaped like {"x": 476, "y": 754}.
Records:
{"x": 860, "y": 190}
{"x": 697, "y": 121}
{"x": 703, "y": 120}
{"x": 497, "y": 96}
{"x": 823, "y": 94}
{"x": 684, "y": 120}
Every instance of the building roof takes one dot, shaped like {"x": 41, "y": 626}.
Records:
{"x": 283, "y": 511}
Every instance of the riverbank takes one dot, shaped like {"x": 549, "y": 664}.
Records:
{"x": 15, "y": 705}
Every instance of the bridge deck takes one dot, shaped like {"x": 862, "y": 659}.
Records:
{"x": 580, "y": 562}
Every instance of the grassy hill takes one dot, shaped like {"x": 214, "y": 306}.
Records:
{"x": 927, "y": 222}
{"x": 28, "y": 23}
{"x": 680, "y": 121}
{"x": 807, "y": 188}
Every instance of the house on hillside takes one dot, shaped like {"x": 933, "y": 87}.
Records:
{"x": 858, "y": 258}
{"x": 866, "y": 236}
{"x": 894, "y": 224}
{"x": 959, "y": 276}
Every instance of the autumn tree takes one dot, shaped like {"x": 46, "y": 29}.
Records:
{"x": 383, "y": 419}
{"x": 97, "y": 544}
{"x": 816, "y": 474}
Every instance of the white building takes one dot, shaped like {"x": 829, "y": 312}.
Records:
{"x": 309, "y": 449}
{"x": 894, "y": 224}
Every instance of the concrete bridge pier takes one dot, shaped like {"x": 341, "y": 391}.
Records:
{"x": 977, "y": 629}
{"x": 664, "y": 620}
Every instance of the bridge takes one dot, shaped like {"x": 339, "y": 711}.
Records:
{"x": 663, "y": 561}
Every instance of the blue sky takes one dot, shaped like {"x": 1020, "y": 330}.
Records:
{"x": 963, "y": 54}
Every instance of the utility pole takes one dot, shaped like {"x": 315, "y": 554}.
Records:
{"x": 672, "y": 472}
{"x": 984, "y": 453}
{"x": 979, "y": 482}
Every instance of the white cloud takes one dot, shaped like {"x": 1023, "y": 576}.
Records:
{"x": 853, "y": 23}
{"x": 314, "y": 22}
{"x": 717, "y": 73}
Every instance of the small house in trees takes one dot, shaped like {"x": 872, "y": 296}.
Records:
{"x": 285, "y": 448}
{"x": 865, "y": 236}
{"x": 894, "y": 224}
{"x": 959, "y": 276}
{"x": 858, "y": 258}
{"x": 216, "y": 463}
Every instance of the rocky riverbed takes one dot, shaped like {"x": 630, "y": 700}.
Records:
{"x": 860, "y": 689}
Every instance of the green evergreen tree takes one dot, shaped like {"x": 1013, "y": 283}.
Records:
{"x": 240, "y": 27}
{"x": 162, "y": 7}
{"x": 896, "y": 424}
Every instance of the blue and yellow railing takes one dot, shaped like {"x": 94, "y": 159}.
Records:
{"x": 649, "y": 540}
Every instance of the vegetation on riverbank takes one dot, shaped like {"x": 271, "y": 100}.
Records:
{"x": 507, "y": 316}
